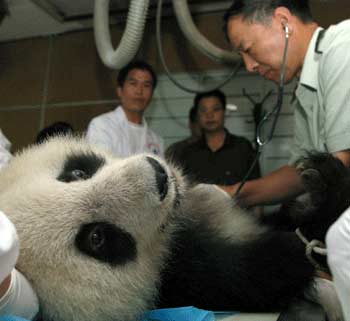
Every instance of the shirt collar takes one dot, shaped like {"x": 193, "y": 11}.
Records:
{"x": 203, "y": 140}
{"x": 120, "y": 114}
{"x": 309, "y": 74}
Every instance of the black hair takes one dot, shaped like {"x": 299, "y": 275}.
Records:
{"x": 3, "y": 10}
{"x": 262, "y": 10}
{"x": 57, "y": 128}
{"x": 136, "y": 64}
{"x": 192, "y": 115}
{"x": 214, "y": 93}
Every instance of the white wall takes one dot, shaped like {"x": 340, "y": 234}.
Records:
{"x": 168, "y": 114}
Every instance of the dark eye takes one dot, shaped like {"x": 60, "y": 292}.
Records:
{"x": 80, "y": 167}
{"x": 97, "y": 239}
{"x": 106, "y": 243}
{"x": 78, "y": 174}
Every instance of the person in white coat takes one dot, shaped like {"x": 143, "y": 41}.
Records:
{"x": 16, "y": 294}
{"x": 338, "y": 248}
{"x": 124, "y": 131}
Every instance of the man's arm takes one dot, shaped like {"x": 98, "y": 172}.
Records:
{"x": 281, "y": 185}
{"x": 344, "y": 156}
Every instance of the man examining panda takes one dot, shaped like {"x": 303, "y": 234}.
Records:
{"x": 320, "y": 60}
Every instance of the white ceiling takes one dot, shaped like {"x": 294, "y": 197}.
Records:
{"x": 33, "y": 18}
{"x": 27, "y": 19}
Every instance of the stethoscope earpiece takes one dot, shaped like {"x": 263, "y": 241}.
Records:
{"x": 286, "y": 29}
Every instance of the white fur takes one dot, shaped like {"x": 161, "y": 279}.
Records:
{"x": 48, "y": 213}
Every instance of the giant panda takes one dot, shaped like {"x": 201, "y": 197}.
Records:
{"x": 106, "y": 239}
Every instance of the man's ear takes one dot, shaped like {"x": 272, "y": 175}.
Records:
{"x": 118, "y": 91}
{"x": 285, "y": 18}
{"x": 282, "y": 13}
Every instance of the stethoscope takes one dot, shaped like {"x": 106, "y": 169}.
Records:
{"x": 275, "y": 111}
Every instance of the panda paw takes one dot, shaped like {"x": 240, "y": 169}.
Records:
{"x": 310, "y": 171}
{"x": 321, "y": 170}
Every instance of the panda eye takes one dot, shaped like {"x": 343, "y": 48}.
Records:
{"x": 80, "y": 167}
{"x": 97, "y": 239}
{"x": 78, "y": 174}
{"x": 106, "y": 243}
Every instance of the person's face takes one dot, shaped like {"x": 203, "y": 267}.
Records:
{"x": 195, "y": 129}
{"x": 261, "y": 47}
{"x": 211, "y": 114}
{"x": 137, "y": 91}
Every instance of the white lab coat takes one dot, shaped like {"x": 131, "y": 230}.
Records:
{"x": 5, "y": 154}
{"x": 338, "y": 247}
{"x": 113, "y": 132}
{"x": 19, "y": 299}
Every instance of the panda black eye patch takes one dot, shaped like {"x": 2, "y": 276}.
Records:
{"x": 106, "y": 243}
{"x": 79, "y": 167}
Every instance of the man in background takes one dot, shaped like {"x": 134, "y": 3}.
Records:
{"x": 124, "y": 131}
{"x": 59, "y": 128}
{"x": 218, "y": 157}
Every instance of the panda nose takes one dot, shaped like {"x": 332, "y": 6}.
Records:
{"x": 161, "y": 177}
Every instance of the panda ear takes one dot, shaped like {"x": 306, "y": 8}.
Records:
{"x": 106, "y": 243}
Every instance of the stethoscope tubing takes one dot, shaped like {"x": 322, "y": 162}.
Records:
{"x": 276, "y": 110}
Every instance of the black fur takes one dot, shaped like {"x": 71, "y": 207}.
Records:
{"x": 216, "y": 274}
{"x": 263, "y": 275}
{"x": 107, "y": 243}
{"x": 80, "y": 167}
{"x": 327, "y": 182}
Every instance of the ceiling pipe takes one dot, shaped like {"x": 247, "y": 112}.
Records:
{"x": 191, "y": 32}
{"x": 132, "y": 36}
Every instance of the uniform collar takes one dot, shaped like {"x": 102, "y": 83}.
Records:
{"x": 309, "y": 74}
{"x": 227, "y": 140}
{"x": 120, "y": 114}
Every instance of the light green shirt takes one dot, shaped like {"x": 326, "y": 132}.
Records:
{"x": 322, "y": 105}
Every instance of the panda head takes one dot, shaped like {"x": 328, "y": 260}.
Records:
{"x": 93, "y": 229}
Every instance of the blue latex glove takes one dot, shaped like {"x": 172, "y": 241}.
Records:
{"x": 179, "y": 314}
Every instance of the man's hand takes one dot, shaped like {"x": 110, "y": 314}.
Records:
{"x": 230, "y": 189}
{"x": 344, "y": 156}
{"x": 274, "y": 188}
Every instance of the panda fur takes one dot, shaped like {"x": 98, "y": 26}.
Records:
{"x": 106, "y": 239}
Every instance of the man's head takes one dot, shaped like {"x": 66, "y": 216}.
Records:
{"x": 193, "y": 122}
{"x": 257, "y": 30}
{"x": 3, "y": 10}
{"x": 136, "y": 83}
{"x": 210, "y": 107}
{"x": 59, "y": 128}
